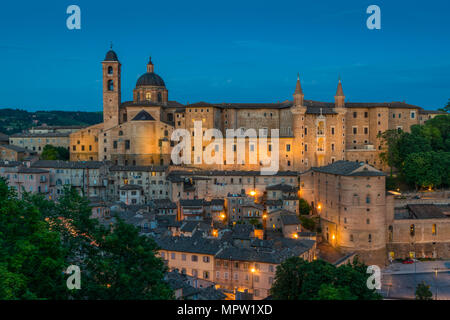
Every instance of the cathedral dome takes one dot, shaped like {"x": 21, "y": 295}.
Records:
{"x": 150, "y": 79}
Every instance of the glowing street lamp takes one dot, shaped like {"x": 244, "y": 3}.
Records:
{"x": 295, "y": 235}
{"x": 253, "y": 270}
{"x": 253, "y": 193}
{"x": 319, "y": 206}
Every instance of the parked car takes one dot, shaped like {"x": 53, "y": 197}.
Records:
{"x": 409, "y": 261}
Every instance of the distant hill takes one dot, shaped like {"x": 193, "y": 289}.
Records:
{"x": 16, "y": 120}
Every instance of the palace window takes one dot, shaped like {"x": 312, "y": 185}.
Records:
{"x": 110, "y": 85}
{"x": 148, "y": 96}
{"x": 433, "y": 229}
{"x": 110, "y": 70}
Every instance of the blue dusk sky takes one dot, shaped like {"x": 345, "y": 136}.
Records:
{"x": 226, "y": 51}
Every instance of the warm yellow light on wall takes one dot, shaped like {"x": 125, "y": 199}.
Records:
{"x": 253, "y": 193}
{"x": 222, "y": 216}
{"x": 319, "y": 206}
{"x": 333, "y": 237}
{"x": 264, "y": 216}
{"x": 295, "y": 236}
{"x": 253, "y": 270}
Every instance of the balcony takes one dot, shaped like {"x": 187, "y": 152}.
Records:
{"x": 320, "y": 132}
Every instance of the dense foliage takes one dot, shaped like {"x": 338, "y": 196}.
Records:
{"x": 421, "y": 156}
{"x": 15, "y": 120}
{"x": 297, "y": 279}
{"x": 304, "y": 207}
{"x": 39, "y": 239}
{"x": 55, "y": 153}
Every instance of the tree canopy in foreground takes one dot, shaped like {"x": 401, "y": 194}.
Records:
{"x": 297, "y": 279}
{"x": 40, "y": 239}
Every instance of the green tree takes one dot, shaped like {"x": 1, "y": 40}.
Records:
{"x": 117, "y": 262}
{"x": 123, "y": 266}
{"x": 307, "y": 222}
{"x": 54, "y": 153}
{"x": 256, "y": 223}
{"x": 31, "y": 254}
{"x": 297, "y": 279}
{"x": 304, "y": 207}
{"x": 427, "y": 169}
{"x": 328, "y": 292}
{"x": 389, "y": 141}
{"x": 39, "y": 239}
{"x": 423, "y": 292}
{"x": 411, "y": 143}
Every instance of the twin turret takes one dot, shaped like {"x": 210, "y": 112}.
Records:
{"x": 339, "y": 98}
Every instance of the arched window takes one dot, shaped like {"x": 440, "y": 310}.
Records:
{"x": 110, "y": 70}
{"x": 368, "y": 198}
{"x": 110, "y": 85}
{"x": 412, "y": 230}
{"x": 370, "y": 238}
{"x": 120, "y": 133}
{"x": 159, "y": 97}
{"x": 148, "y": 96}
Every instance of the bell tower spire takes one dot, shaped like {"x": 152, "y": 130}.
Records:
{"x": 339, "y": 98}
{"x": 298, "y": 93}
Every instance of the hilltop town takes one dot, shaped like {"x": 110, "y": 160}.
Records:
{"x": 222, "y": 229}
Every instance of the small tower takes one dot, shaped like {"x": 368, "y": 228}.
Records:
{"x": 298, "y": 111}
{"x": 339, "y": 98}
{"x": 111, "y": 89}
{"x": 298, "y": 93}
{"x": 150, "y": 66}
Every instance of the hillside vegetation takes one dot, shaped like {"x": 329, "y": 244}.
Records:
{"x": 16, "y": 120}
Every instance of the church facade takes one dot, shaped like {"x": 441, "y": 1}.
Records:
{"x": 311, "y": 133}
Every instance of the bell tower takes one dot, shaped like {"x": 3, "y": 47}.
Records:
{"x": 111, "y": 89}
{"x": 298, "y": 111}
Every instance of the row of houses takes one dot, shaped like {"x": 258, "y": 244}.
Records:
{"x": 234, "y": 266}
